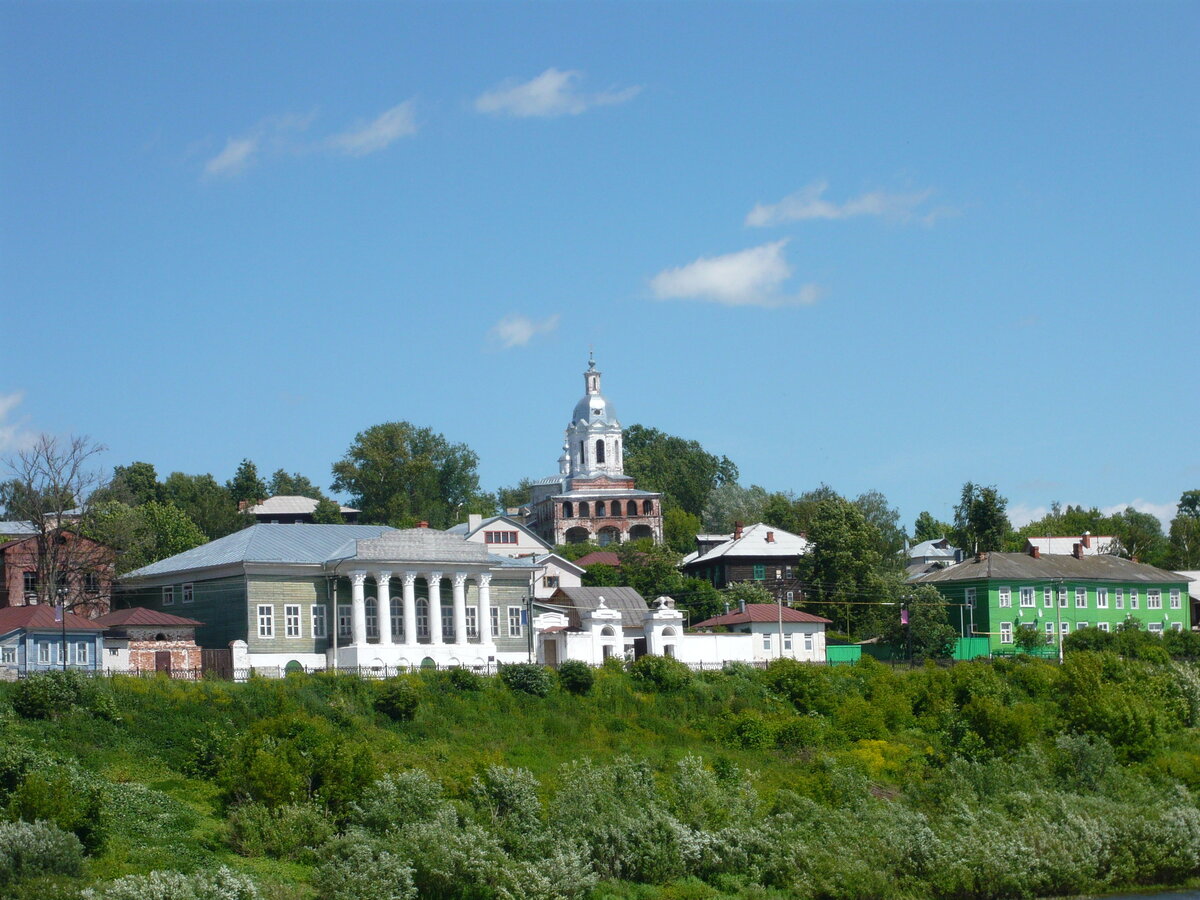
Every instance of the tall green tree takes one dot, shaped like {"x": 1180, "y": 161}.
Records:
{"x": 980, "y": 520}
{"x": 327, "y": 512}
{"x": 134, "y": 484}
{"x": 294, "y": 485}
{"x": 841, "y": 568}
{"x": 682, "y": 470}
{"x": 514, "y": 496}
{"x": 928, "y": 632}
{"x": 680, "y": 528}
{"x": 731, "y": 503}
{"x": 245, "y": 484}
{"x": 1185, "y": 532}
{"x": 1140, "y": 536}
{"x": 144, "y": 534}
{"x": 206, "y": 502}
{"x": 927, "y": 528}
{"x": 398, "y": 474}
{"x": 886, "y": 519}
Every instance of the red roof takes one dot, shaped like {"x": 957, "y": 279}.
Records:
{"x": 762, "y": 612}
{"x": 605, "y": 557}
{"x": 40, "y": 616}
{"x": 139, "y": 615}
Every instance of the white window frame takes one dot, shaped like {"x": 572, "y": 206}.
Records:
{"x": 1155, "y": 627}
{"x": 1133, "y": 598}
{"x": 317, "y": 620}
{"x": 1005, "y": 597}
{"x": 345, "y": 620}
{"x": 787, "y": 640}
{"x": 1062, "y": 598}
{"x": 1028, "y": 598}
{"x": 1047, "y": 598}
{"x": 1176, "y": 601}
{"x": 1177, "y": 626}
{"x": 1006, "y": 633}
{"x": 44, "y": 652}
{"x": 1119, "y": 598}
{"x": 266, "y": 621}
{"x": 766, "y": 642}
{"x": 514, "y": 622}
{"x": 472, "y": 621}
{"x": 168, "y": 595}
{"x": 8, "y": 654}
{"x": 1081, "y": 598}
{"x": 188, "y": 592}
{"x": 1103, "y": 626}
{"x": 422, "y": 617}
{"x": 1049, "y": 629}
{"x": 1079, "y": 626}
{"x": 81, "y": 653}
{"x": 371, "y": 614}
{"x": 1153, "y": 598}
{"x": 1101, "y": 598}
{"x": 494, "y": 615}
{"x": 808, "y": 642}
{"x": 1064, "y": 628}
{"x": 291, "y": 621}
{"x": 969, "y": 597}
{"x": 448, "y": 622}
{"x": 397, "y": 616}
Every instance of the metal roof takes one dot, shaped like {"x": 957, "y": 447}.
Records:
{"x": 1066, "y": 545}
{"x": 762, "y": 612}
{"x": 24, "y": 529}
{"x": 753, "y": 542}
{"x": 1023, "y": 567}
{"x": 288, "y": 504}
{"x": 139, "y": 615}
{"x": 626, "y": 600}
{"x": 937, "y": 548}
{"x": 41, "y": 617}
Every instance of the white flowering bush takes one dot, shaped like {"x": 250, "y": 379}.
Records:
{"x": 37, "y": 848}
{"x": 356, "y": 867}
{"x": 398, "y": 799}
{"x": 216, "y": 884}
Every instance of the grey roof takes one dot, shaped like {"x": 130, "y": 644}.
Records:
{"x": 937, "y": 548}
{"x": 753, "y": 542}
{"x": 288, "y": 504}
{"x": 18, "y": 528}
{"x": 465, "y": 530}
{"x": 1022, "y": 567}
{"x": 613, "y": 493}
{"x": 629, "y": 602}
{"x": 262, "y": 543}
{"x": 418, "y": 545}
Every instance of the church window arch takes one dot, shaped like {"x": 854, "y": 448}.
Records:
{"x": 584, "y": 509}
{"x": 583, "y": 453}
{"x": 647, "y": 507}
{"x": 631, "y": 508}
{"x": 600, "y": 451}
{"x": 568, "y": 510}
{"x": 607, "y": 631}
{"x": 601, "y": 508}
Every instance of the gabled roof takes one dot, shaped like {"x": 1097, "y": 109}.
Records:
{"x": 578, "y": 600}
{"x": 603, "y": 557}
{"x": 1023, "y": 567}
{"x": 40, "y": 618}
{"x": 139, "y": 615}
{"x": 465, "y": 529}
{"x": 17, "y": 529}
{"x": 556, "y": 560}
{"x": 935, "y": 548}
{"x": 762, "y": 612}
{"x": 289, "y": 505}
{"x": 754, "y": 543}
{"x": 1100, "y": 543}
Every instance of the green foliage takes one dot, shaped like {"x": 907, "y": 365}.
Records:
{"x": 576, "y": 677}
{"x": 246, "y": 486}
{"x": 462, "y": 679}
{"x": 134, "y": 484}
{"x": 929, "y": 632}
{"x": 682, "y": 470}
{"x": 327, "y": 512}
{"x": 144, "y": 534}
{"x": 527, "y": 678}
{"x": 58, "y": 795}
{"x": 44, "y": 695}
{"x": 294, "y": 485}
{"x": 397, "y": 473}
{"x": 843, "y": 563}
{"x": 659, "y": 673}
{"x": 927, "y": 528}
{"x": 292, "y": 831}
{"x": 218, "y": 884}
{"x": 360, "y": 869}
{"x": 399, "y": 799}
{"x": 680, "y": 528}
{"x": 980, "y": 520}
{"x": 746, "y": 592}
{"x": 28, "y": 849}
{"x": 398, "y": 699}
{"x": 208, "y": 504}
{"x": 602, "y": 575}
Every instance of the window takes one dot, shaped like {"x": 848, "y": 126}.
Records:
{"x": 168, "y": 595}
{"x": 372, "y": 615}
{"x": 808, "y": 643}
{"x": 1049, "y": 630}
{"x": 550, "y": 581}
{"x": 81, "y": 654}
{"x": 1154, "y": 599}
{"x": 791, "y": 595}
{"x": 91, "y": 583}
{"x": 422, "y": 618}
{"x": 1080, "y": 598}
{"x": 43, "y": 651}
{"x": 344, "y": 620}
{"x": 448, "y": 622}
{"x": 318, "y": 621}
{"x": 1101, "y": 598}
{"x": 1175, "y": 598}
{"x": 8, "y": 655}
{"x": 1177, "y": 626}
{"x": 787, "y": 642}
{"x": 472, "y": 622}
{"x": 647, "y": 507}
{"x": 397, "y": 619}
{"x": 495, "y": 617}
{"x": 1047, "y": 598}
{"x": 631, "y": 508}
{"x": 1064, "y": 628}
{"x": 787, "y": 572}
{"x": 1079, "y": 626}
{"x": 266, "y": 621}
{"x": 500, "y": 537}
{"x": 1006, "y": 596}
{"x": 969, "y": 597}
{"x": 600, "y": 451}
{"x": 514, "y": 621}
{"x": 1006, "y": 633}
{"x": 291, "y": 621}
{"x": 187, "y": 593}
{"x": 1119, "y": 598}
{"x": 31, "y": 582}
{"x": 767, "y": 642}
{"x": 1103, "y": 626}
{"x": 1155, "y": 628}
{"x": 601, "y": 508}
{"x": 760, "y": 573}
{"x": 584, "y": 510}
{"x": 1027, "y": 599}
{"x": 568, "y": 510}
{"x": 1062, "y": 598}
{"x": 1133, "y": 598}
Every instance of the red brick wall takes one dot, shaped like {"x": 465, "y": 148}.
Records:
{"x": 184, "y": 655}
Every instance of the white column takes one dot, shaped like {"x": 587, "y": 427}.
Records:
{"x": 485, "y": 607}
{"x": 435, "y": 607}
{"x": 383, "y": 606}
{"x": 460, "y": 607}
{"x": 358, "y": 609}
{"x": 410, "y": 608}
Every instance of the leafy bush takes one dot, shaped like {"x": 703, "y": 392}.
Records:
{"x": 216, "y": 884}
{"x": 576, "y": 677}
{"x": 660, "y": 673}
{"x": 71, "y": 802}
{"x": 507, "y": 800}
{"x": 397, "y": 800}
{"x": 749, "y": 731}
{"x": 464, "y": 680}
{"x": 527, "y": 678}
{"x": 44, "y": 695}
{"x": 37, "y": 848}
{"x": 357, "y": 868}
{"x": 398, "y": 699}
{"x": 292, "y": 831}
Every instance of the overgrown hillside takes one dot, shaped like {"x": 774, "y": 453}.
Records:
{"x": 1013, "y": 778}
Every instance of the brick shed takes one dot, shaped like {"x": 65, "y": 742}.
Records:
{"x": 156, "y": 641}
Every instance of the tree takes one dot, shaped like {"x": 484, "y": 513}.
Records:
{"x": 513, "y": 497}
{"x": 682, "y": 470}
{"x": 602, "y": 575}
{"x": 52, "y": 485}
{"x": 746, "y": 592}
{"x": 886, "y": 519}
{"x": 246, "y": 486}
{"x": 206, "y": 503}
{"x": 1185, "y": 532}
{"x": 927, "y": 528}
{"x": 928, "y": 629}
{"x": 327, "y": 512}
{"x": 680, "y": 528}
{"x": 729, "y": 503}
{"x": 295, "y": 485}
{"x": 134, "y": 484}
{"x": 398, "y": 474}
{"x": 140, "y": 535}
{"x": 840, "y": 568}
{"x": 1139, "y": 536}
{"x": 980, "y": 522}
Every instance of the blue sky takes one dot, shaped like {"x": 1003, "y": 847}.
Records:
{"x": 882, "y": 246}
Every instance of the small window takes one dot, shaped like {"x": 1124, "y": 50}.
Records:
{"x": 1119, "y": 598}
{"x": 495, "y": 617}
{"x": 187, "y": 593}
{"x": 31, "y": 582}
{"x": 1177, "y": 626}
{"x": 91, "y": 583}
{"x": 1101, "y": 598}
{"x": 1133, "y": 598}
{"x": 168, "y": 595}
{"x": 568, "y": 510}
{"x": 1155, "y": 628}
{"x": 550, "y": 581}
{"x": 1047, "y": 598}
{"x": 8, "y": 654}
{"x": 787, "y": 572}
{"x": 448, "y": 621}
{"x": 1064, "y": 628}
{"x": 472, "y": 621}
{"x": 647, "y": 507}
{"x": 601, "y": 508}
{"x": 791, "y": 596}
{"x": 808, "y": 643}
{"x": 1081, "y": 598}
{"x": 422, "y": 618}
{"x": 500, "y": 537}
{"x": 766, "y": 642}
{"x": 318, "y": 620}
{"x": 515, "y": 618}
{"x": 397, "y": 614}
{"x": 291, "y": 621}
{"x": 266, "y": 621}
{"x": 969, "y": 597}
{"x": 1005, "y": 596}
{"x": 1006, "y": 633}
{"x": 1027, "y": 599}
{"x": 1153, "y": 599}
{"x": 43, "y": 651}
{"x": 631, "y": 508}
{"x": 1079, "y": 626}
{"x": 345, "y": 619}
{"x": 760, "y": 573}
{"x": 584, "y": 510}
{"x": 372, "y": 615}
{"x": 1103, "y": 626}
{"x": 1062, "y": 598}
{"x": 787, "y": 642}
{"x": 600, "y": 453}
{"x": 81, "y": 654}
{"x": 1049, "y": 629}
{"x": 1175, "y": 601}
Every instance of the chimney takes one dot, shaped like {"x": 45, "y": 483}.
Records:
{"x": 979, "y": 554}
{"x": 1087, "y": 539}
{"x": 741, "y": 606}
{"x": 474, "y": 520}
{"x": 737, "y": 531}
{"x": 1035, "y": 551}
{"x": 770, "y": 537}
{"x": 1077, "y": 551}
{"x": 726, "y": 607}
{"x": 422, "y": 524}
{"x": 242, "y": 505}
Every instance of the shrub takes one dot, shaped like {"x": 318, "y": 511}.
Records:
{"x": 750, "y": 732}
{"x": 397, "y": 800}
{"x": 56, "y": 794}
{"x": 464, "y": 680}
{"x": 576, "y": 677}
{"x": 527, "y": 678}
{"x": 508, "y": 801}
{"x": 398, "y": 699}
{"x": 45, "y": 695}
{"x": 292, "y": 831}
{"x": 357, "y": 868}
{"x": 216, "y": 884}
{"x": 37, "y": 848}
{"x": 660, "y": 673}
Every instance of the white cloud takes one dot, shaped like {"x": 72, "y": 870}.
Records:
{"x": 234, "y": 158}
{"x": 1021, "y": 514}
{"x": 809, "y": 203}
{"x": 517, "y": 330}
{"x": 390, "y": 126}
{"x": 753, "y": 277}
{"x": 272, "y": 133}
{"x": 553, "y": 93}
{"x": 13, "y": 434}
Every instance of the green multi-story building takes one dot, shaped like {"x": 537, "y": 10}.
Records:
{"x": 998, "y": 593}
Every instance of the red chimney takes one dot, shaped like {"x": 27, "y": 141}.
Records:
{"x": 422, "y": 524}
{"x": 1087, "y": 539}
{"x": 770, "y": 537}
{"x": 1077, "y": 551}
{"x": 1035, "y": 551}
{"x": 737, "y": 531}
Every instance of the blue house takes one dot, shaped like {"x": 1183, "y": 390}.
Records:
{"x": 31, "y": 640}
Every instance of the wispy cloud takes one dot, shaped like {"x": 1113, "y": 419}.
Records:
{"x": 753, "y": 277}
{"x": 390, "y": 126}
{"x": 1021, "y": 514}
{"x": 810, "y": 203}
{"x": 553, "y": 93}
{"x": 13, "y": 434}
{"x": 518, "y": 330}
{"x": 237, "y": 155}
{"x": 272, "y": 134}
